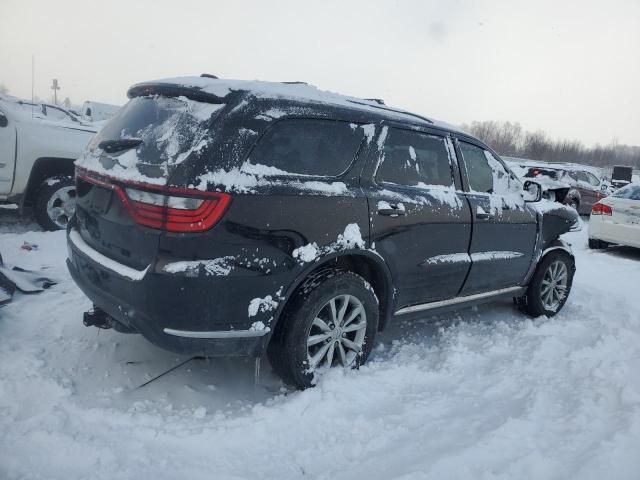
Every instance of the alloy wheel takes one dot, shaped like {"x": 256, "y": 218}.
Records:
{"x": 62, "y": 205}
{"x": 337, "y": 333}
{"x": 554, "y": 285}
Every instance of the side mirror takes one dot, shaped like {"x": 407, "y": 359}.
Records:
{"x": 604, "y": 186}
{"x": 3, "y": 120}
{"x": 532, "y": 191}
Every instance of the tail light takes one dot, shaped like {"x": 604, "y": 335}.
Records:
{"x": 601, "y": 209}
{"x": 171, "y": 209}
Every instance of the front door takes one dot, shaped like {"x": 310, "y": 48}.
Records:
{"x": 7, "y": 153}
{"x": 504, "y": 227}
{"x": 420, "y": 220}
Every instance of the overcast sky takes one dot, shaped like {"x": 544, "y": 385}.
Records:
{"x": 570, "y": 68}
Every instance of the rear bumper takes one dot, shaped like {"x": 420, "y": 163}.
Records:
{"x": 601, "y": 227}
{"x": 200, "y": 315}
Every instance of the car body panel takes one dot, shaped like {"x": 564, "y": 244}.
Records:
{"x": 37, "y": 136}
{"x": 622, "y": 227}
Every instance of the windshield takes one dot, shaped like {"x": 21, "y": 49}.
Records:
{"x": 630, "y": 192}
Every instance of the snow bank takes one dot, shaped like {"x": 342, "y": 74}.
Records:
{"x": 476, "y": 394}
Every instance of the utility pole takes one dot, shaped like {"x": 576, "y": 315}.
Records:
{"x": 55, "y": 87}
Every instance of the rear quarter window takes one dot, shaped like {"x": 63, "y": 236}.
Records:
{"x": 307, "y": 147}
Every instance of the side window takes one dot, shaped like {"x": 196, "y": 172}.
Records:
{"x": 582, "y": 177}
{"x": 307, "y": 147}
{"x": 479, "y": 172}
{"x": 485, "y": 173}
{"x": 414, "y": 159}
{"x": 592, "y": 179}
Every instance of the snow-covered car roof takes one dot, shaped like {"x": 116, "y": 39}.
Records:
{"x": 567, "y": 166}
{"x": 220, "y": 88}
{"x": 25, "y": 110}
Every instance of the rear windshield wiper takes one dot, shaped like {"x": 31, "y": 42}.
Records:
{"x": 112, "y": 146}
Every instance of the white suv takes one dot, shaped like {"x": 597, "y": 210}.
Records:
{"x": 38, "y": 145}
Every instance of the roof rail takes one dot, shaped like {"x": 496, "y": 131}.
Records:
{"x": 395, "y": 110}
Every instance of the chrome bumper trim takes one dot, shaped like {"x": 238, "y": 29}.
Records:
{"x": 217, "y": 333}
{"x": 118, "y": 268}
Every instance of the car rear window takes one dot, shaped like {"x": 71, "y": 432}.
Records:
{"x": 414, "y": 159}
{"x": 545, "y": 172}
{"x": 307, "y": 147}
{"x": 171, "y": 129}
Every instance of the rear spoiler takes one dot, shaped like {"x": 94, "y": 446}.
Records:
{"x": 169, "y": 90}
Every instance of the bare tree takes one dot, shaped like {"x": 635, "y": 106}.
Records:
{"x": 508, "y": 138}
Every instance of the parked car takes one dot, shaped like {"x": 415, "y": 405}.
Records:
{"x": 38, "y": 145}
{"x": 616, "y": 219}
{"x": 219, "y": 217}
{"x": 621, "y": 176}
{"x": 578, "y": 186}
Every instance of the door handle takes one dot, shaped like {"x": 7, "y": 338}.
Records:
{"x": 481, "y": 214}
{"x": 391, "y": 210}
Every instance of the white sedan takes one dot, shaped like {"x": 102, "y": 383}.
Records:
{"x": 616, "y": 219}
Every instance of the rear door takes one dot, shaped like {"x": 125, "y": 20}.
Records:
{"x": 504, "y": 227}
{"x": 420, "y": 220}
{"x": 7, "y": 153}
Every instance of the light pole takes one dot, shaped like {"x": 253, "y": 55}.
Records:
{"x": 55, "y": 87}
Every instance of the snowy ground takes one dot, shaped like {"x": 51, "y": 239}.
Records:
{"x": 481, "y": 394}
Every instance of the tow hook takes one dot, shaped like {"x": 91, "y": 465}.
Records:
{"x": 97, "y": 318}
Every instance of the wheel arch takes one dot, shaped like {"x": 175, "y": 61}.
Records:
{"x": 368, "y": 265}
{"x": 43, "y": 168}
{"x": 573, "y": 194}
{"x": 557, "y": 244}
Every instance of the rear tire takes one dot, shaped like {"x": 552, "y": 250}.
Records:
{"x": 55, "y": 203}
{"x": 597, "y": 244}
{"x": 550, "y": 285}
{"x": 330, "y": 321}
{"x": 574, "y": 204}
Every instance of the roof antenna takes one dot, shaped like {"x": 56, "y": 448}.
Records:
{"x": 208, "y": 75}
{"x": 33, "y": 76}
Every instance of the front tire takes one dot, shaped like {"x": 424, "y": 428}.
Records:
{"x": 330, "y": 322}
{"x": 55, "y": 203}
{"x": 550, "y": 285}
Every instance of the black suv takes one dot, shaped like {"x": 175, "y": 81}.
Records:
{"x": 221, "y": 217}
